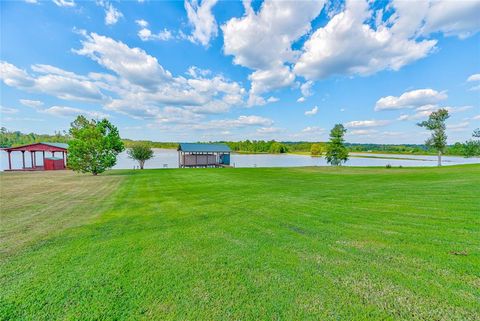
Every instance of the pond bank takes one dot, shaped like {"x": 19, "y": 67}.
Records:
{"x": 168, "y": 158}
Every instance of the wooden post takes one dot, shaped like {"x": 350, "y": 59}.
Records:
{"x": 31, "y": 159}
{"x": 23, "y": 159}
{"x": 34, "y": 162}
{"x": 63, "y": 157}
{"x": 53, "y": 154}
{"x": 9, "y": 160}
{"x": 43, "y": 152}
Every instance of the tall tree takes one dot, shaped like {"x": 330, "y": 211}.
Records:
{"x": 94, "y": 145}
{"x": 436, "y": 124}
{"x": 337, "y": 153}
{"x": 140, "y": 152}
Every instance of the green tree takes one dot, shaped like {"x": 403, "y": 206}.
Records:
{"x": 315, "y": 150}
{"x": 436, "y": 124}
{"x": 94, "y": 145}
{"x": 140, "y": 152}
{"x": 472, "y": 147}
{"x": 337, "y": 153}
{"x": 276, "y": 148}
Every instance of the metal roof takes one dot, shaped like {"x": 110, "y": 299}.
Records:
{"x": 56, "y": 147}
{"x": 203, "y": 148}
{"x": 59, "y": 145}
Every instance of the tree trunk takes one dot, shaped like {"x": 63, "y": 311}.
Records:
{"x": 141, "y": 164}
{"x": 439, "y": 158}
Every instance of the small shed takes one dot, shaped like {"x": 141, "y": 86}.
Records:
{"x": 203, "y": 155}
{"x": 48, "y": 163}
{"x": 53, "y": 163}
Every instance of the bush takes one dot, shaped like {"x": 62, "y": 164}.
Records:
{"x": 140, "y": 152}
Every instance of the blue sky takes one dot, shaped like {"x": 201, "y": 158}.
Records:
{"x": 226, "y": 70}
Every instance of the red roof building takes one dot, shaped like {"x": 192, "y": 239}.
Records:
{"x": 49, "y": 163}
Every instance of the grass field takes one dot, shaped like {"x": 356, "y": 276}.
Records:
{"x": 242, "y": 244}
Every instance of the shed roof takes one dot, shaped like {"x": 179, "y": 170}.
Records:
{"x": 59, "y": 145}
{"x": 204, "y": 148}
{"x": 54, "y": 147}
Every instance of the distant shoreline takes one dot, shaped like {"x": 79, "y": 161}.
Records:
{"x": 373, "y": 155}
{"x": 351, "y": 154}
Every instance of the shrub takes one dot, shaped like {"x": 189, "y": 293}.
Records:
{"x": 141, "y": 153}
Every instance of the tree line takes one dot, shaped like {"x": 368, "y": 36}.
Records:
{"x": 17, "y": 138}
{"x": 95, "y": 144}
{"x": 468, "y": 148}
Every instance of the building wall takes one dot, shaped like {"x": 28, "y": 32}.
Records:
{"x": 198, "y": 160}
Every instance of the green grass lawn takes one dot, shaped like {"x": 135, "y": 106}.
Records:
{"x": 242, "y": 244}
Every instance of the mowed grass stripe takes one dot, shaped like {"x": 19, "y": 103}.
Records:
{"x": 301, "y": 243}
{"x": 35, "y": 205}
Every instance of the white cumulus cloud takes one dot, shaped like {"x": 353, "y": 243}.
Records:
{"x": 424, "y": 111}
{"x": 112, "y": 14}
{"x": 349, "y": 45}
{"x": 65, "y": 111}
{"x": 474, "y": 77}
{"x": 453, "y": 18}
{"x": 362, "y": 132}
{"x": 134, "y": 84}
{"x": 367, "y": 123}
{"x": 263, "y": 81}
{"x": 60, "y": 83}
{"x": 269, "y": 130}
{"x": 313, "y": 129}
{"x": 142, "y": 23}
{"x": 312, "y": 112}
{"x": 64, "y": 3}
{"x": 411, "y": 99}
{"x": 202, "y": 19}
{"x": 146, "y": 34}
{"x": 144, "y": 86}
{"x": 263, "y": 41}
{"x": 133, "y": 64}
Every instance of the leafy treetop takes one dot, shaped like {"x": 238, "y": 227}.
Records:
{"x": 94, "y": 145}
{"x": 436, "y": 124}
{"x": 337, "y": 153}
{"x": 140, "y": 152}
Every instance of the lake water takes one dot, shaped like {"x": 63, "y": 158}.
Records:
{"x": 168, "y": 158}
